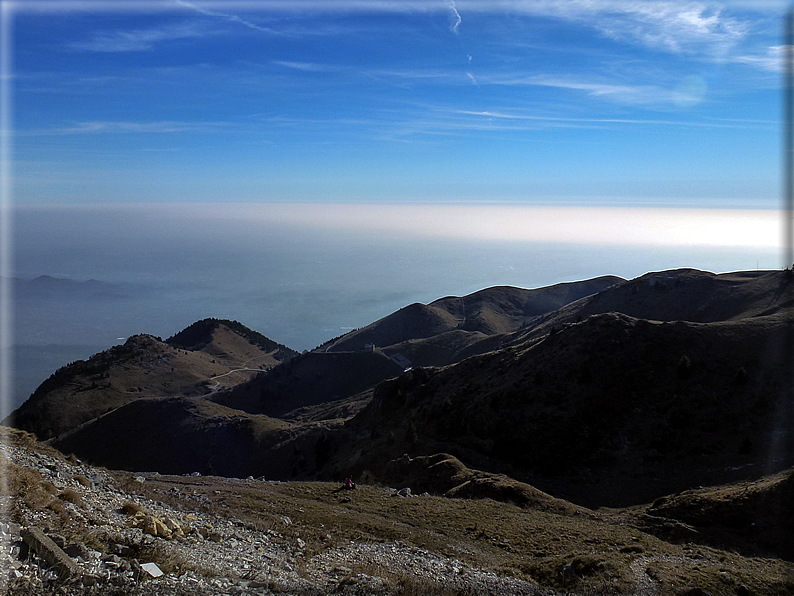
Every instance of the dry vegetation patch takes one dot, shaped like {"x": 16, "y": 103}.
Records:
{"x": 597, "y": 552}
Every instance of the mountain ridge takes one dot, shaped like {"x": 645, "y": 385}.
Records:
{"x": 596, "y": 401}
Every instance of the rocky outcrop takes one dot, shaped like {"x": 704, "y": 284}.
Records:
{"x": 443, "y": 474}
{"x": 50, "y": 553}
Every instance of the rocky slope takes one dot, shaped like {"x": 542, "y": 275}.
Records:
{"x": 72, "y": 529}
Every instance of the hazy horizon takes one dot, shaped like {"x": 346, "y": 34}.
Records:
{"x": 302, "y": 275}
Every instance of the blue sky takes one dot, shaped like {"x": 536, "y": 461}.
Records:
{"x": 576, "y": 102}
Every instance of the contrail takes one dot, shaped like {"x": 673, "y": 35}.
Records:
{"x": 230, "y": 17}
{"x": 454, "y": 18}
{"x": 454, "y": 22}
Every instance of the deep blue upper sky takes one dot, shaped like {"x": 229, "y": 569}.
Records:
{"x": 667, "y": 103}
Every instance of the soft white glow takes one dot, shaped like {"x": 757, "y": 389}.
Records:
{"x": 581, "y": 225}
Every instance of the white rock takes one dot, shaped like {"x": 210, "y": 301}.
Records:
{"x": 152, "y": 569}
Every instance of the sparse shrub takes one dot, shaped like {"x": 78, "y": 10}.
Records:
{"x": 82, "y": 480}
{"x": 409, "y": 584}
{"x": 130, "y": 508}
{"x": 28, "y": 489}
{"x": 165, "y": 557}
{"x": 413, "y": 585}
{"x": 72, "y": 496}
{"x": 49, "y": 487}
{"x": 59, "y": 508}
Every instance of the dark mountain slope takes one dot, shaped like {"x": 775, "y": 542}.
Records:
{"x": 756, "y": 517}
{"x": 144, "y": 366}
{"x": 439, "y": 350}
{"x": 412, "y": 322}
{"x": 612, "y": 410}
{"x": 697, "y": 296}
{"x": 596, "y": 408}
{"x": 179, "y": 435}
{"x": 502, "y": 309}
{"x": 308, "y": 380}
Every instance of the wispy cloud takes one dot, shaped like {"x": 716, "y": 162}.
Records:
{"x": 691, "y": 27}
{"x": 682, "y": 92}
{"x": 139, "y": 39}
{"x": 771, "y": 60}
{"x": 710, "y": 27}
{"x": 669, "y": 25}
{"x": 511, "y": 117}
{"x": 146, "y": 39}
{"x": 432, "y": 122}
{"x": 121, "y": 127}
{"x": 306, "y": 66}
{"x": 629, "y": 94}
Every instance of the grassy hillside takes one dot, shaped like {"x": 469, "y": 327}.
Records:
{"x": 202, "y": 334}
{"x": 437, "y": 333}
{"x": 144, "y": 366}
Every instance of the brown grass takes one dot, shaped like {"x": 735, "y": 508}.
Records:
{"x": 29, "y": 487}
{"x": 72, "y": 496}
{"x": 82, "y": 481}
{"x": 130, "y": 508}
{"x": 166, "y": 558}
{"x": 509, "y": 540}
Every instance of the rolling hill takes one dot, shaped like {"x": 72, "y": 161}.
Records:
{"x": 438, "y": 333}
{"x": 218, "y": 353}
